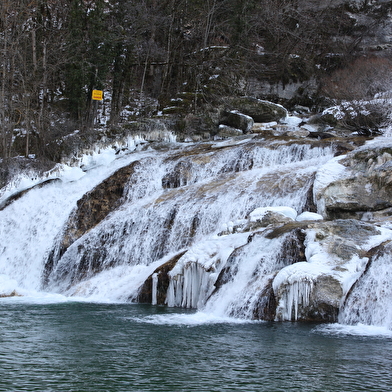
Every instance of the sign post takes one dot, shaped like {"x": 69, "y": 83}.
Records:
{"x": 97, "y": 95}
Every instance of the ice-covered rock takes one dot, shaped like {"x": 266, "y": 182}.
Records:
{"x": 259, "y": 213}
{"x": 266, "y": 216}
{"x": 336, "y": 256}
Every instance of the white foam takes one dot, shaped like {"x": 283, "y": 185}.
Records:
{"x": 353, "y": 330}
{"x": 40, "y": 298}
{"x": 193, "y": 319}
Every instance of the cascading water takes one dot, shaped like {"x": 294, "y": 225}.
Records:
{"x": 29, "y": 226}
{"x": 194, "y": 199}
{"x": 246, "y": 280}
{"x": 222, "y": 183}
{"x": 155, "y": 220}
{"x": 369, "y": 301}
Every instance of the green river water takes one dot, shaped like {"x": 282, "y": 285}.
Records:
{"x": 77, "y": 346}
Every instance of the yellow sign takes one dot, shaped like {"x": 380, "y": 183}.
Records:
{"x": 97, "y": 95}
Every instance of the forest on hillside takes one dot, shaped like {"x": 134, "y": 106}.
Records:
{"x": 145, "y": 54}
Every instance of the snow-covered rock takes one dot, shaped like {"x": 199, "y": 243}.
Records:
{"x": 305, "y": 216}
{"x": 261, "y": 111}
{"x": 237, "y": 120}
{"x": 358, "y": 185}
{"x": 336, "y": 256}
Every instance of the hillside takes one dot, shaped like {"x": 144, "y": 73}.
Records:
{"x": 177, "y": 63}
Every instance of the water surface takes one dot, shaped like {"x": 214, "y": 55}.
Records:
{"x": 77, "y": 346}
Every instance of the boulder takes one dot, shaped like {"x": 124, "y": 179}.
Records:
{"x": 336, "y": 255}
{"x": 361, "y": 117}
{"x": 305, "y": 216}
{"x": 320, "y": 135}
{"x": 362, "y": 186}
{"x": 261, "y": 111}
{"x": 235, "y": 119}
{"x": 306, "y": 296}
{"x": 266, "y": 216}
{"x": 226, "y": 131}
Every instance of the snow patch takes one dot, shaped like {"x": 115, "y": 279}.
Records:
{"x": 260, "y": 212}
{"x": 306, "y": 216}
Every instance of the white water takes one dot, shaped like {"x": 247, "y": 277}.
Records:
{"x": 369, "y": 302}
{"x": 176, "y": 200}
{"x": 189, "y": 320}
{"x": 29, "y": 226}
{"x": 154, "y": 222}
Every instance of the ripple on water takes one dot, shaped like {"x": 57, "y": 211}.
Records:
{"x": 123, "y": 347}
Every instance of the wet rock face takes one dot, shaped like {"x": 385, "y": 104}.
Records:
{"x": 91, "y": 209}
{"x": 325, "y": 302}
{"x": 266, "y": 307}
{"x": 95, "y": 205}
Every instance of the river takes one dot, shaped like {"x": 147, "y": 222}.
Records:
{"x": 82, "y": 346}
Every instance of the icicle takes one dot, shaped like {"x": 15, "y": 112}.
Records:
{"x": 170, "y": 295}
{"x": 186, "y": 289}
{"x": 154, "y": 288}
{"x": 190, "y": 284}
{"x": 296, "y": 296}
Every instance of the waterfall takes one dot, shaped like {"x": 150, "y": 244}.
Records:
{"x": 369, "y": 301}
{"x": 178, "y": 197}
{"x": 244, "y": 283}
{"x": 167, "y": 214}
{"x": 30, "y": 225}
